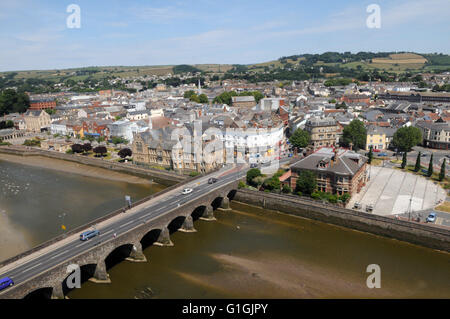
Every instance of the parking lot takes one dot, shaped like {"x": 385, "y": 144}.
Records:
{"x": 393, "y": 191}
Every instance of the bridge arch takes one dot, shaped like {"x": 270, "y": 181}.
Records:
{"x": 150, "y": 238}
{"x": 118, "y": 254}
{"x": 176, "y": 224}
{"x": 198, "y": 212}
{"x": 39, "y": 294}
{"x": 231, "y": 194}
{"x": 217, "y": 202}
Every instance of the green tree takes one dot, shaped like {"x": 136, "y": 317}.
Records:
{"x": 370, "y": 156}
{"x": 188, "y": 94}
{"x": 407, "y": 137}
{"x": 355, "y": 133}
{"x": 430, "y": 167}
{"x": 272, "y": 183}
{"x": 442, "y": 172}
{"x": 286, "y": 189}
{"x": 12, "y": 101}
{"x": 124, "y": 152}
{"x": 417, "y": 167}
{"x": 194, "y": 98}
{"x": 251, "y": 174}
{"x": 306, "y": 182}
{"x": 300, "y": 138}
{"x": 77, "y": 148}
{"x": 202, "y": 98}
{"x": 119, "y": 140}
{"x": 404, "y": 160}
{"x": 100, "y": 150}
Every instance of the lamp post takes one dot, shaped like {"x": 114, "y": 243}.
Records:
{"x": 410, "y": 208}
{"x": 63, "y": 226}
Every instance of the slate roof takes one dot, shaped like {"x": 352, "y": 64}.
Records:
{"x": 348, "y": 162}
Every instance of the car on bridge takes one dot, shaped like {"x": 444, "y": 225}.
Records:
{"x": 187, "y": 191}
{"x": 89, "y": 234}
{"x": 6, "y": 282}
{"x": 431, "y": 218}
{"x": 212, "y": 180}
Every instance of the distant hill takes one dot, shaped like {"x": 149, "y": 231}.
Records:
{"x": 328, "y": 64}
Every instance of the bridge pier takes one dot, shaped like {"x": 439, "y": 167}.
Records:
{"x": 164, "y": 238}
{"x": 57, "y": 292}
{"x": 100, "y": 275}
{"x": 188, "y": 225}
{"x": 225, "y": 205}
{"x": 136, "y": 254}
{"x": 208, "y": 214}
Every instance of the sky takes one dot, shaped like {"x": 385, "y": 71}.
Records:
{"x": 34, "y": 35}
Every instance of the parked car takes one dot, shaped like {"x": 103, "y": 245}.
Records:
{"x": 187, "y": 191}
{"x": 253, "y": 165}
{"x": 212, "y": 180}
{"x": 6, "y": 282}
{"x": 424, "y": 154}
{"x": 369, "y": 208}
{"x": 376, "y": 150}
{"x": 357, "y": 205}
{"x": 382, "y": 154}
{"x": 431, "y": 218}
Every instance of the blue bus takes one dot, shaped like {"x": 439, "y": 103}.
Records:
{"x": 89, "y": 234}
{"x": 6, "y": 282}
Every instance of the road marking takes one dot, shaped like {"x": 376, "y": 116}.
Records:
{"x": 80, "y": 244}
{"x": 57, "y": 255}
{"x": 439, "y": 220}
{"x": 31, "y": 267}
{"x": 126, "y": 223}
{"x": 107, "y": 232}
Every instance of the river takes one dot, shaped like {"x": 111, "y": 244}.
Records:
{"x": 247, "y": 253}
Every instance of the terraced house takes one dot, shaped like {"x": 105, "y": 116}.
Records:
{"x": 337, "y": 171}
{"x": 435, "y": 135}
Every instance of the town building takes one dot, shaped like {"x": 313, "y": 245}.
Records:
{"x": 338, "y": 171}
{"x": 435, "y": 135}
{"x": 322, "y": 131}
{"x": 36, "y": 120}
{"x": 375, "y": 138}
{"x": 42, "y": 104}
{"x": 243, "y": 101}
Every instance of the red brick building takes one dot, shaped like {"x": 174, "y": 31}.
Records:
{"x": 42, "y": 104}
{"x": 337, "y": 171}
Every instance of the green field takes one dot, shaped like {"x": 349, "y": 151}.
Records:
{"x": 393, "y": 63}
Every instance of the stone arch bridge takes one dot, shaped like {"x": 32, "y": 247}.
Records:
{"x": 95, "y": 261}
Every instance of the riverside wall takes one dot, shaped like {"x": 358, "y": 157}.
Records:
{"x": 412, "y": 232}
{"x": 159, "y": 176}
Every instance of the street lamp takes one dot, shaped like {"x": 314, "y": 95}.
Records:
{"x": 410, "y": 208}
{"x": 63, "y": 226}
